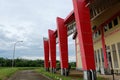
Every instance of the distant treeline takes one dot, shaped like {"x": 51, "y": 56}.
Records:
{"x": 4, "y": 62}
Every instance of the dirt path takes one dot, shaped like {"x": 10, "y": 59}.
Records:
{"x": 27, "y": 75}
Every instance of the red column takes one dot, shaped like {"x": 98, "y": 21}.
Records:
{"x": 104, "y": 48}
{"x": 52, "y": 48}
{"x": 63, "y": 42}
{"x": 46, "y": 53}
{"x": 82, "y": 17}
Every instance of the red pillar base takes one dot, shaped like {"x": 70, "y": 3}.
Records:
{"x": 90, "y": 75}
{"x": 53, "y": 70}
{"x": 64, "y": 71}
{"x": 47, "y": 69}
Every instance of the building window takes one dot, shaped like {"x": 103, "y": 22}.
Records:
{"x": 118, "y": 45}
{"x": 102, "y": 55}
{"x": 110, "y": 25}
{"x": 98, "y": 52}
{"x": 108, "y": 51}
{"x": 96, "y": 34}
{"x": 91, "y": 12}
{"x": 115, "y": 60}
{"x": 94, "y": 28}
{"x": 99, "y": 32}
{"x": 94, "y": 12}
{"x": 95, "y": 56}
{"x": 93, "y": 35}
{"x": 115, "y": 21}
{"x": 106, "y": 28}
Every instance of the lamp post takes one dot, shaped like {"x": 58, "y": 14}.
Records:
{"x": 14, "y": 52}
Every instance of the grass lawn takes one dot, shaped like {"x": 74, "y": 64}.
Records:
{"x": 53, "y": 76}
{"x": 6, "y": 72}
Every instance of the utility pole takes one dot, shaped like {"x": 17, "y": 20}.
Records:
{"x": 14, "y": 53}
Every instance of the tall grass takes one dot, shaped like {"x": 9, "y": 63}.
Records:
{"x": 7, "y": 72}
{"x": 53, "y": 76}
{"x": 59, "y": 77}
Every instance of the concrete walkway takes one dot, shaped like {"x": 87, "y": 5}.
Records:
{"x": 27, "y": 75}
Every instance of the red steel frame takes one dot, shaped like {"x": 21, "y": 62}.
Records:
{"x": 52, "y": 48}
{"x": 46, "y": 54}
{"x": 104, "y": 48}
{"x": 63, "y": 42}
{"x": 82, "y": 17}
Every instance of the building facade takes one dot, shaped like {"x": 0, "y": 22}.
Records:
{"x": 106, "y": 37}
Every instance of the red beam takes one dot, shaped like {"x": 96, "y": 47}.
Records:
{"x": 63, "y": 42}
{"x": 104, "y": 49}
{"x": 69, "y": 18}
{"x": 52, "y": 48}
{"x": 46, "y": 53}
{"x": 82, "y": 18}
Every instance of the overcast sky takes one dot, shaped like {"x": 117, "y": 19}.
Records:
{"x": 29, "y": 21}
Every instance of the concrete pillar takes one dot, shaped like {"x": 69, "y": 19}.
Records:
{"x": 82, "y": 18}
{"x": 63, "y": 44}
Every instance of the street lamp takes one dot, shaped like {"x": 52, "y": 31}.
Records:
{"x": 14, "y": 52}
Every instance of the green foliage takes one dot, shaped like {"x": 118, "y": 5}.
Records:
{"x": 52, "y": 76}
{"x": 100, "y": 78}
{"x": 59, "y": 77}
{"x": 7, "y": 72}
{"x": 5, "y": 62}
{"x": 72, "y": 64}
{"x": 21, "y": 63}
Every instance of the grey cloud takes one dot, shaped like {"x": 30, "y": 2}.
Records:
{"x": 29, "y": 21}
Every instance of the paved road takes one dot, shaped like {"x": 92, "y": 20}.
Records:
{"x": 27, "y": 75}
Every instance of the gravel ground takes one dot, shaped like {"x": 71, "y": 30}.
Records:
{"x": 27, "y": 75}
